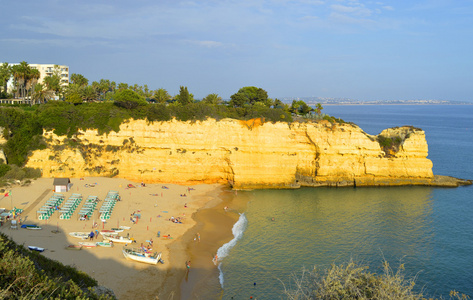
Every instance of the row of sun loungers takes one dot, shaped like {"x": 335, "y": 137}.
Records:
{"x": 45, "y": 212}
{"x": 69, "y": 207}
{"x": 108, "y": 205}
{"x": 89, "y": 207}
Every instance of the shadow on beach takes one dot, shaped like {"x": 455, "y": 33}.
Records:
{"x": 127, "y": 279}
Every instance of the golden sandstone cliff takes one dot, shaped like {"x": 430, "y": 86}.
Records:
{"x": 245, "y": 154}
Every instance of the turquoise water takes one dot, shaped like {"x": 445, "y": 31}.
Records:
{"x": 430, "y": 230}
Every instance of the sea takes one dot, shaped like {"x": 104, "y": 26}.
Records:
{"x": 427, "y": 230}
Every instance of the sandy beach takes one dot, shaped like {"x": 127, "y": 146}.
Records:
{"x": 154, "y": 203}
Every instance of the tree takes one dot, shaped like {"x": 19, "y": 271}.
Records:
{"x": 53, "y": 83}
{"x": 212, "y": 99}
{"x": 5, "y": 74}
{"x": 122, "y": 86}
{"x": 300, "y": 107}
{"x": 249, "y": 95}
{"x": 41, "y": 94}
{"x": 318, "y": 108}
{"x": 278, "y": 103}
{"x": 79, "y": 79}
{"x": 128, "y": 99}
{"x": 104, "y": 86}
{"x": 161, "y": 95}
{"x": 146, "y": 92}
{"x": 184, "y": 97}
{"x": 25, "y": 77}
{"x": 74, "y": 98}
{"x": 89, "y": 94}
{"x": 113, "y": 86}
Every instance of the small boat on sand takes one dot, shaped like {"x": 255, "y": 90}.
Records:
{"x": 79, "y": 235}
{"x": 88, "y": 244}
{"x": 113, "y": 230}
{"x": 104, "y": 244}
{"x": 107, "y": 235}
{"x": 34, "y": 248}
{"x": 124, "y": 227}
{"x": 141, "y": 256}
{"x": 120, "y": 239}
{"x": 31, "y": 226}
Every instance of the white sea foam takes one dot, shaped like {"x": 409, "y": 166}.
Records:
{"x": 237, "y": 230}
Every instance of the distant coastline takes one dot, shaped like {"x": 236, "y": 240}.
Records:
{"x": 346, "y": 101}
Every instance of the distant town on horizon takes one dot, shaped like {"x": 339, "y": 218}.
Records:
{"x": 347, "y": 101}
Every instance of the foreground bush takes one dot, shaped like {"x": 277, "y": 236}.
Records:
{"x": 352, "y": 281}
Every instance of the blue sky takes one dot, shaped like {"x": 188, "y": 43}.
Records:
{"x": 365, "y": 50}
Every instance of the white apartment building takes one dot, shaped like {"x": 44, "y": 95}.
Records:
{"x": 46, "y": 70}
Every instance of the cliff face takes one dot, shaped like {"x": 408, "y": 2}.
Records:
{"x": 247, "y": 154}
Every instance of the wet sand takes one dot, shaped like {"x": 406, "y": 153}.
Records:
{"x": 155, "y": 204}
{"x": 215, "y": 228}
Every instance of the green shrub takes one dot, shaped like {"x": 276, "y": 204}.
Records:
{"x": 333, "y": 119}
{"x": 385, "y": 142}
{"x": 128, "y": 99}
{"x": 352, "y": 281}
{"x": 4, "y": 168}
{"x": 389, "y": 145}
{"x": 32, "y": 173}
{"x": 158, "y": 112}
{"x": 17, "y": 173}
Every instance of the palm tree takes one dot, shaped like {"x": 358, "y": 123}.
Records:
{"x": 161, "y": 95}
{"x": 79, "y": 79}
{"x": 41, "y": 94}
{"x": 212, "y": 99}
{"x": 5, "y": 74}
{"x": 89, "y": 94}
{"x": 104, "y": 87}
{"x": 53, "y": 83}
{"x": 20, "y": 75}
{"x": 25, "y": 78}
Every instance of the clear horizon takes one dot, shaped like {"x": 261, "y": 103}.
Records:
{"x": 363, "y": 50}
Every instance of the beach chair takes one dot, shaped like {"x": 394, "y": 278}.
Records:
{"x": 14, "y": 224}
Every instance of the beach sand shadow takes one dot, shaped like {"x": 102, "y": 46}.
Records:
{"x": 128, "y": 279}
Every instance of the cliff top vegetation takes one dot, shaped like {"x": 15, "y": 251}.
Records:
{"x": 105, "y": 106}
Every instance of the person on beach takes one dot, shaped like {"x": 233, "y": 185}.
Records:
{"x": 91, "y": 235}
{"x": 198, "y": 236}
{"x": 188, "y": 265}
